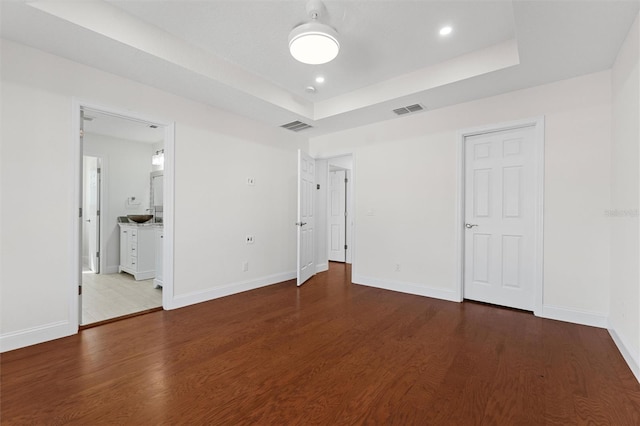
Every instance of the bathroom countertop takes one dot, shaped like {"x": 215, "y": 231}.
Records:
{"x": 143, "y": 225}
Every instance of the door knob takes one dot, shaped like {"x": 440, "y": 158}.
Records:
{"x": 469, "y": 225}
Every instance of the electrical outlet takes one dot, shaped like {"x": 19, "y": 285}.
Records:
{"x": 397, "y": 267}
{"x": 245, "y": 266}
{"x": 250, "y": 239}
{"x": 251, "y": 181}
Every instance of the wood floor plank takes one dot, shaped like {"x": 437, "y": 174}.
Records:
{"x": 329, "y": 352}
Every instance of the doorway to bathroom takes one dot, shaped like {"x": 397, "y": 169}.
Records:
{"x": 122, "y": 235}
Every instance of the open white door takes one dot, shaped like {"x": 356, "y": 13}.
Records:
{"x": 306, "y": 183}
{"x": 91, "y": 211}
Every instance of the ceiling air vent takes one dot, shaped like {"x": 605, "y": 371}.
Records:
{"x": 296, "y": 126}
{"x": 408, "y": 109}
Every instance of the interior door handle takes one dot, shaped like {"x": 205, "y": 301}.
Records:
{"x": 301, "y": 223}
{"x": 469, "y": 225}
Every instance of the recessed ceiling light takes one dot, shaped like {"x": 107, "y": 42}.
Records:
{"x": 445, "y": 30}
{"x": 319, "y": 79}
{"x": 310, "y": 89}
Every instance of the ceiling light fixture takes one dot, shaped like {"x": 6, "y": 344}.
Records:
{"x": 445, "y": 30}
{"x": 314, "y": 43}
{"x": 319, "y": 79}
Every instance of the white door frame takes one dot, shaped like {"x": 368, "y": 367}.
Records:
{"x": 538, "y": 140}
{"x": 350, "y": 233}
{"x": 168, "y": 215}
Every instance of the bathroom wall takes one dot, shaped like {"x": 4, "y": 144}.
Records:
{"x": 126, "y": 166}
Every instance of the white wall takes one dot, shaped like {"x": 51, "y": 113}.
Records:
{"x": 405, "y": 194}
{"x": 215, "y": 152}
{"x": 126, "y": 168}
{"x": 624, "y": 315}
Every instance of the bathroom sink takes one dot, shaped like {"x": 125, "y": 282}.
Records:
{"x": 140, "y": 218}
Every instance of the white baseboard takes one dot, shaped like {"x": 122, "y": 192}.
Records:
{"x": 32, "y": 336}
{"x": 322, "y": 267}
{"x": 405, "y": 287}
{"x": 576, "y": 316}
{"x": 227, "y": 290}
{"x": 628, "y": 355}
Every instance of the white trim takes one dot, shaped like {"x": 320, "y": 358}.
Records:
{"x": 627, "y": 354}
{"x": 406, "y": 287}
{"x": 351, "y": 233}
{"x": 576, "y": 316}
{"x": 75, "y": 243}
{"x": 321, "y": 267}
{"x": 539, "y": 126}
{"x": 229, "y": 289}
{"x": 35, "y": 335}
{"x": 168, "y": 216}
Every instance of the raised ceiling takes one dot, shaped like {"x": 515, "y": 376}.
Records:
{"x": 234, "y": 54}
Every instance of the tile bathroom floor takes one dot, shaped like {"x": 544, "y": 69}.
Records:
{"x": 114, "y": 295}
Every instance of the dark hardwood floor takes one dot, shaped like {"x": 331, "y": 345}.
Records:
{"x": 327, "y": 353}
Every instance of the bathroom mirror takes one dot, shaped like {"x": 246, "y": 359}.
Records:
{"x": 157, "y": 192}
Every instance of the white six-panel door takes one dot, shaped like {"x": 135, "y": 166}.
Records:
{"x": 306, "y": 184}
{"x": 500, "y": 209}
{"x": 337, "y": 218}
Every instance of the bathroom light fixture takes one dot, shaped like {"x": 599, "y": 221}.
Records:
{"x": 314, "y": 43}
{"x": 157, "y": 159}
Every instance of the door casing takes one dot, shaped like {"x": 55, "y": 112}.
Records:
{"x": 538, "y": 140}
{"x": 169, "y": 166}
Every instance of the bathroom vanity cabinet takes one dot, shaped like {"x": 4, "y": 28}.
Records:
{"x": 138, "y": 250}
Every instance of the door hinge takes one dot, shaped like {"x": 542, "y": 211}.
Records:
{"x": 97, "y": 254}
{"x": 81, "y": 133}
{"x": 97, "y": 212}
{"x": 80, "y": 212}
{"x": 346, "y": 180}
{"x": 345, "y": 214}
{"x": 79, "y": 290}
{"x": 345, "y": 246}
{"x": 99, "y": 170}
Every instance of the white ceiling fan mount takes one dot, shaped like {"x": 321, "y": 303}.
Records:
{"x": 314, "y": 43}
